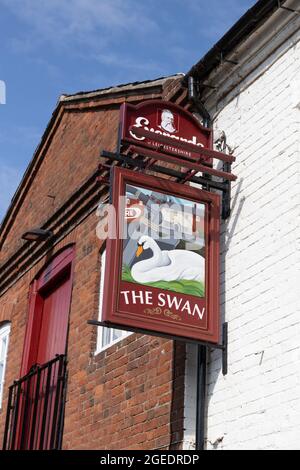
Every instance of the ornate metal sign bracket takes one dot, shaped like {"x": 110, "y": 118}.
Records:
{"x": 182, "y": 159}
{"x": 142, "y": 159}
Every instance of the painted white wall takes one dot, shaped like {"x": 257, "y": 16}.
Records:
{"x": 257, "y": 405}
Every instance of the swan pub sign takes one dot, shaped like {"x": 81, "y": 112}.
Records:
{"x": 162, "y": 266}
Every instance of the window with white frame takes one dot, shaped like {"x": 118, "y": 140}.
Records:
{"x": 106, "y": 337}
{"x": 4, "y": 338}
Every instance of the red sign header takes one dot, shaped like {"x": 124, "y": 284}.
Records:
{"x": 163, "y": 125}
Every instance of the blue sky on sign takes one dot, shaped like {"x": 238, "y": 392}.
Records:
{"x": 50, "y": 47}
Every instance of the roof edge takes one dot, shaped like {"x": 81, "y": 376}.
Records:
{"x": 242, "y": 29}
{"x": 118, "y": 89}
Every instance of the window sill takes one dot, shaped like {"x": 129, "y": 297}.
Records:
{"x": 113, "y": 343}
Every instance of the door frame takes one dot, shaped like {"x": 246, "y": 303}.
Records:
{"x": 57, "y": 267}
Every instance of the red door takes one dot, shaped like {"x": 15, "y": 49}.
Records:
{"x": 54, "y": 325}
{"x": 49, "y": 306}
{"x": 46, "y": 337}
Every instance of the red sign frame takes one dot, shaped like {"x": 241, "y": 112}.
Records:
{"x": 115, "y": 311}
{"x": 178, "y": 133}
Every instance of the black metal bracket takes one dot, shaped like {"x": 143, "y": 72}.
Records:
{"x": 226, "y": 195}
{"x": 291, "y": 10}
{"x": 205, "y": 181}
{"x": 228, "y": 61}
{"x": 207, "y": 85}
{"x": 223, "y": 347}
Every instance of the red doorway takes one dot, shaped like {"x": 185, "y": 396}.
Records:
{"x": 49, "y": 306}
{"x": 38, "y": 417}
{"x": 54, "y": 322}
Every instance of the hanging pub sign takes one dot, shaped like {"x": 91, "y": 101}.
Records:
{"x": 164, "y": 126}
{"x": 162, "y": 269}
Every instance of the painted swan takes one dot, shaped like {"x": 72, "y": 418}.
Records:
{"x": 166, "y": 265}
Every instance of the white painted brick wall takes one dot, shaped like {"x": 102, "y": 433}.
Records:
{"x": 257, "y": 405}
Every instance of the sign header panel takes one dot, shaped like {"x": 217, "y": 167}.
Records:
{"x": 163, "y": 125}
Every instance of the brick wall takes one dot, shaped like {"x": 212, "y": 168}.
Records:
{"x": 72, "y": 154}
{"x": 130, "y": 395}
{"x": 69, "y": 152}
{"x": 126, "y": 396}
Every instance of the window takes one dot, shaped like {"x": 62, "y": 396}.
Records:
{"x": 106, "y": 336}
{"x": 4, "y": 337}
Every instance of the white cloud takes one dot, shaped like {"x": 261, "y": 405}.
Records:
{"x": 11, "y": 174}
{"x": 217, "y": 16}
{"x": 2, "y": 92}
{"x": 127, "y": 62}
{"x": 28, "y": 135}
{"x": 124, "y": 33}
{"x": 64, "y": 23}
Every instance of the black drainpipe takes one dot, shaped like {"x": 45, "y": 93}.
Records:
{"x": 201, "y": 350}
{"x": 193, "y": 98}
{"x": 201, "y": 397}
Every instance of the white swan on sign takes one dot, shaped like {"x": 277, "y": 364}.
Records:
{"x": 166, "y": 265}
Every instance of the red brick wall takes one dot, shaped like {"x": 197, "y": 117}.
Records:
{"x": 131, "y": 395}
{"x": 123, "y": 398}
{"x": 72, "y": 155}
{"x": 67, "y": 156}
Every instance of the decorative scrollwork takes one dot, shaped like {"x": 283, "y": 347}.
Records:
{"x": 221, "y": 144}
{"x": 153, "y": 311}
{"x": 172, "y": 315}
{"x": 158, "y": 311}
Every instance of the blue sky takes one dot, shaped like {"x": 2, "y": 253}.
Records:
{"x": 50, "y": 47}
